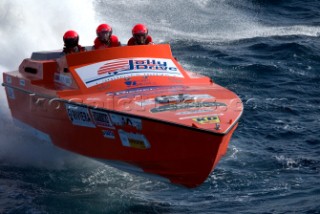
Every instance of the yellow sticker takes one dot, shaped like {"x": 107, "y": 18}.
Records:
{"x": 207, "y": 120}
{"x": 133, "y": 140}
{"x": 138, "y": 144}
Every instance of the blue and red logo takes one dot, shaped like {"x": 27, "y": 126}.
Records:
{"x": 125, "y": 68}
{"x": 116, "y": 66}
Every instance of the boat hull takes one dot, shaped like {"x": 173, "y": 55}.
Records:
{"x": 133, "y": 107}
{"x": 151, "y": 146}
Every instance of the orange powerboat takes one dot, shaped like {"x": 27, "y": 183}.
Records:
{"x": 132, "y": 107}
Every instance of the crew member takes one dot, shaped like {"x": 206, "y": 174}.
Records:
{"x": 140, "y": 36}
{"x": 71, "y": 39}
{"x": 105, "y": 39}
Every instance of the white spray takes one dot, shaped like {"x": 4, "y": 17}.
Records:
{"x": 30, "y": 25}
{"x": 27, "y": 26}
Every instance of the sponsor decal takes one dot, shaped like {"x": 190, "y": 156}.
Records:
{"x": 202, "y": 96}
{"x": 174, "y": 98}
{"x": 79, "y": 116}
{"x": 145, "y": 102}
{"x": 174, "y": 107}
{"x": 101, "y": 119}
{"x": 22, "y": 82}
{"x": 120, "y": 120}
{"x": 10, "y": 92}
{"x": 134, "y": 140}
{"x": 194, "y": 111}
{"x": 194, "y": 116}
{"x": 138, "y": 83}
{"x": 8, "y": 79}
{"x": 63, "y": 79}
{"x": 207, "y": 120}
{"x": 110, "y": 70}
{"x": 108, "y": 134}
{"x": 128, "y": 82}
{"x": 149, "y": 90}
{"x": 182, "y": 98}
{"x": 135, "y": 90}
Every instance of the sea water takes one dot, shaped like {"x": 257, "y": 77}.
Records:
{"x": 267, "y": 52}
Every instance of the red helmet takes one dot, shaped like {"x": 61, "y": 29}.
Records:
{"x": 104, "y": 32}
{"x": 139, "y": 29}
{"x": 71, "y": 38}
{"x": 102, "y": 28}
{"x": 140, "y": 33}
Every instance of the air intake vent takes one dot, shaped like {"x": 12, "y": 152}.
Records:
{"x": 30, "y": 70}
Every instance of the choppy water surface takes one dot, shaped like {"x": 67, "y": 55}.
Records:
{"x": 268, "y": 52}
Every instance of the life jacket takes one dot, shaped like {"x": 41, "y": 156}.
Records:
{"x": 113, "y": 42}
{"x": 132, "y": 41}
{"x": 75, "y": 49}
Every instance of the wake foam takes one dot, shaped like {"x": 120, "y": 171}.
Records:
{"x": 264, "y": 31}
{"x": 203, "y": 21}
{"x": 26, "y": 27}
{"x": 39, "y": 25}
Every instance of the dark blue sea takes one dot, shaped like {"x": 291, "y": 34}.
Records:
{"x": 266, "y": 51}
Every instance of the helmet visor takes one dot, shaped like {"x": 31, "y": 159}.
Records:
{"x": 71, "y": 42}
{"x": 140, "y": 38}
{"x": 104, "y": 36}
